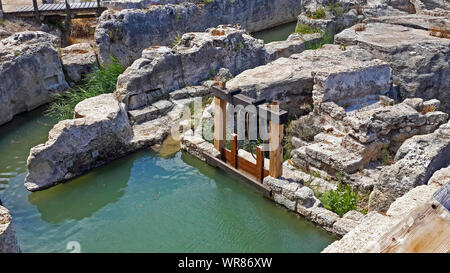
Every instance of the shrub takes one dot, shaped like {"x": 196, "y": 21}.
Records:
{"x": 176, "y": 39}
{"x": 385, "y": 156}
{"x": 341, "y": 200}
{"x": 305, "y": 29}
{"x": 102, "y": 80}
{"x": 319, "y": 14}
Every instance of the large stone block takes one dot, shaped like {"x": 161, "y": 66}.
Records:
{"x": 30, "y": 72}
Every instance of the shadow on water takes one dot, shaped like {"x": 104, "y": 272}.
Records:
{"x": 85, "y": 195}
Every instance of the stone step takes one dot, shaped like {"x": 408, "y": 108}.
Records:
{"x": 150, "y": 112}
{"x": 189, "y": 92}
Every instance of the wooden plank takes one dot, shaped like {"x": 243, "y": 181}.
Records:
{"x": 259, "y": 163}
{"x": 219, "y": 123}
{"x": 215, "y": 162}
{"x": 424, "y": 230}
{"x": 234, "y": 152}
{"x": 247, "y": 166}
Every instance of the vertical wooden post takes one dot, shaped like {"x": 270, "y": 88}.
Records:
{"x": 259, "y": 163}
{"x": 234, "y": 150}
{"x": 220, "y": 108}
{"x": 275, "y": 146}
{"x": 36, "y": 11}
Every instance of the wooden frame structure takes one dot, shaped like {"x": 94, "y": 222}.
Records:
{"x": 273, "y": 114}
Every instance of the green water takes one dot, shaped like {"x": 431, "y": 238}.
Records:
{"x": 143, "y": 203}
{"x": 279, "y": 33}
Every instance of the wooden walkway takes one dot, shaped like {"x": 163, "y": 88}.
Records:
{"x": 83, "y": 9}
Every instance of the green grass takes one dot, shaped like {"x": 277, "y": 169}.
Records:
{"x": 102, "y": 80}
{"x": 306, "y": 29}
{"x": 341, "y": 200}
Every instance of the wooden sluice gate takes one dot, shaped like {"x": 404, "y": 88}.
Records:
{"x": 266, "y": 115}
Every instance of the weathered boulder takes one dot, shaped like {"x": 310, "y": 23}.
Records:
{"x": 78, "y": 60}
{"x": 415, "y": 162}
{"x": 8, "y": 240}
{"x": 420, "y": 62}
{"x": 125, "y": 33}
{"x": 295, "y": 43}
{"x": 99, "y": 133}
{"x": 195, "y": 58}
{"x": 30, "y": 72}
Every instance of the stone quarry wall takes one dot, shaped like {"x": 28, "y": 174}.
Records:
{"x": 30, "y": 72}
{"x": 126, "y": 33}
{"x": 197, "y": 57}
{"x": 291, "y": 80}
{"x": 8, "y": 240}
{"x": 420, "y": 62}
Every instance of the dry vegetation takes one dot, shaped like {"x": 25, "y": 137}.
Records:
{"x": 441, "y": 32}
{"x": 360, "y": 27}
{"x": 82, "y": 30}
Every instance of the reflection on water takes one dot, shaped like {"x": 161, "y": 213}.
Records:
{"x": 76, "y": 196}
{"x": 279, "y": 33}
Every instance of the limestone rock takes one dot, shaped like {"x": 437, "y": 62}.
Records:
{"x": 197, "y": 146}
{"x": 290, "y": 80}
{"x": 295, "y": 43}
{"x": 305, "y": 197}
{"x": 99, "y": 133}
{"x": 8, "y": 240}
{"x": 415, "y": 162}
{"x": 342, "y": 226}
{"x": 412, "y": 199}
{"x": 372, "y": 227}
{"x": 440, "y": 177}
{"x": 78, "y": 60}
{"x": 196, "y": 57}
{"x": 30, "y": 72}
{"x": 126, "y": 33}
{"x": 282, "y": 200}
{"x": 420, "y": 62}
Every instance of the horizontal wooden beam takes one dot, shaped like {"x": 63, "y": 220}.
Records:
{"x": 215, "y": 162}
